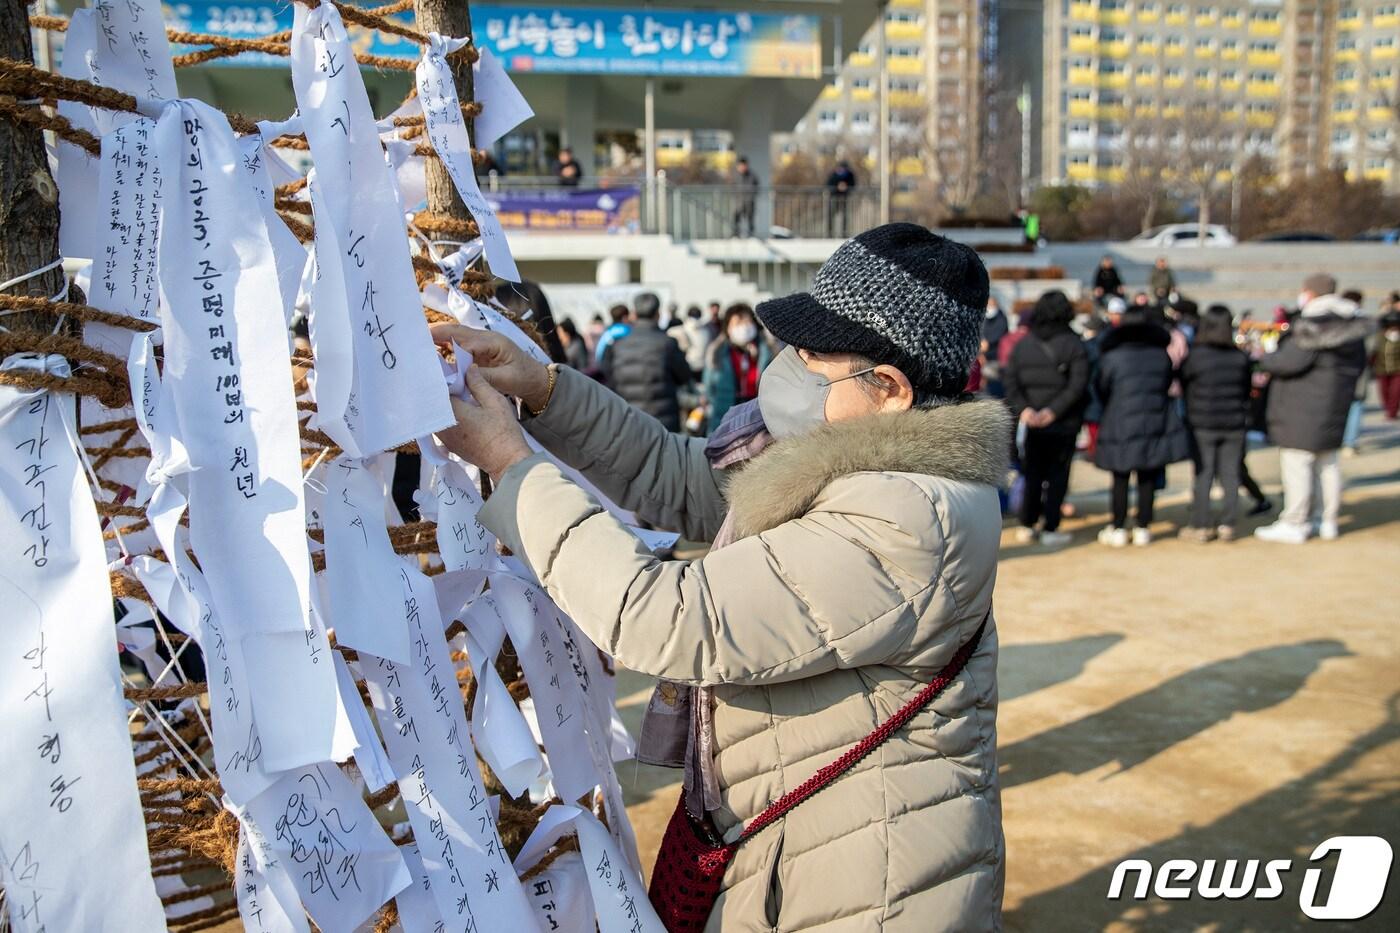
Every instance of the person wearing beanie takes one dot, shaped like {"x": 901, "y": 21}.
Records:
{"x": 855, "y": 525}
{"x": 1312, "y": 378}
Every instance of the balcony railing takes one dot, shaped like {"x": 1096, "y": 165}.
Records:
{"x": 718, "y": 211}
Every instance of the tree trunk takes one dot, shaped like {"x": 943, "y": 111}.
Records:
{"x": 28, "y": 195}
{"x": 1150, "y": 214}
{"x": 446, "y": 18}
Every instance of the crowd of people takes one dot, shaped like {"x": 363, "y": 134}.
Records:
{"x": 1131, "y": 383}
{"x": 685, "y": 369}
{"x": 1139, "y": 384}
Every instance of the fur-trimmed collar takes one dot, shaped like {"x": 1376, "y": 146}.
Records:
{"x": 1329, "y": 331}
{"x": 968, "y": 442}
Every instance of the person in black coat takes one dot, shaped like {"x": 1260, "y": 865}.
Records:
{"x": 1215, "y": 378}
{"x": 1312, "y": 380}
{"x": 1046, "y": 380}
{"x": 994, "y": 327}
{"x": 1107, "y": 282}
{"x": 646, "y": 367}
{"x": 1140, "y": 430}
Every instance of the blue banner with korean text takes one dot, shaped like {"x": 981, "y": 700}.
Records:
{"x": 610, "y": 210}
{"x": 565, "y": 39}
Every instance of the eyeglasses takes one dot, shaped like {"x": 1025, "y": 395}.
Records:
{"x": 806, "y": 355}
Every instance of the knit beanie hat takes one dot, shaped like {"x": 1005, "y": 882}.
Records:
{"x": 898, "y": 295}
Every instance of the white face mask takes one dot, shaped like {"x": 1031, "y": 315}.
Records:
{"x": 1303, "y": 299}
{"x": 792, "y": 398}
{"x": 1393, "y": 336}
{"x": 743, "y": 333}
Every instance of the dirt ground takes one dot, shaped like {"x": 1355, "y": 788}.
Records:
{"x": 1182, "y": 701}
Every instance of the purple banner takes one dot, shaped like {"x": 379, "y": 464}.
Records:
{"x": 611, "y": 210}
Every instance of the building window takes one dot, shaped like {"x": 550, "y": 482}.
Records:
{"x": 1205, "y": 44}
{"x": 905, "y": 51}
{"x": 829, "y": 121}
{"x": 1345, "y": 73}
{"x": 1266, "y": 46}
{"x": 907, "y": 85}
{"x": 903, "y": 16}
{"x": 1387, "y": 42}
{"x": 1175, "y": 42}
{"x": 863, "y": 83}
{"x": 1263, "y": 77}
{"x": 1264, "y": 16}
{"x": 862, "y": 121}
{"x": 1343, "y": 106}
{"x": 1203, "y": 74}
{"x": 1173, "y": 73}
{"x": 1112, "y": 68}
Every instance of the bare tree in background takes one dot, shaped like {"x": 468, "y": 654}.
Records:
{"x": 1148, "y": 160}
{"x": 1207, "y": 145}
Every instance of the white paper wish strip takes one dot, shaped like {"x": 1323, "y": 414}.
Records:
{"x": 619, "y": 899}
{"x": 229, "y": 384}
{"x": 499, "y": 730}
{"x": 69, "y": 775}
{"x": 128, "y": 197}
{"x": 320, "y": 832}
{"x": 420, "y": 714}
{"x": 76, "y": 172}
{"x": 132, "y": 53}
{"x": 503, "y": 107}
{"x": 377, "y": 382}
{"x": 267, "y": 900}
{"x": 361, "y": 576}
{"x": 265, "y": 170}
{"x": 228, "y": 376}
{"x": 447, "y": 132}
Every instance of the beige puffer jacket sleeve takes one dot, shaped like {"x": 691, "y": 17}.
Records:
{"x": 799, "y": 599}
{"x": 665, "y": 478}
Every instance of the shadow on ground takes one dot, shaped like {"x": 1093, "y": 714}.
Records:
{"x": 1026, "y": 668}
{"x": 1353, "y": 793}
{"x": 1146, "y": 724}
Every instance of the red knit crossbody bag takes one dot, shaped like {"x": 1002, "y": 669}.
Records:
{"x": 690, "y": 866}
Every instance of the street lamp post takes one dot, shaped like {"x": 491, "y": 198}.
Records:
{"x": 882, "y": 56}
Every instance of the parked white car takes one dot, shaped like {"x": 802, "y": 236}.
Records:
{"x": 1185, "y": 235}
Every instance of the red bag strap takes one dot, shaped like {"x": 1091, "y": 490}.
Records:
{"x": 874, "y": 740}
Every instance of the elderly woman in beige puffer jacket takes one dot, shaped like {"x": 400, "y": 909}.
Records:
{"x": 860, "y": 555}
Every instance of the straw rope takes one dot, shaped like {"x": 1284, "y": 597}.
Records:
{"x": 187, "y": 830}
